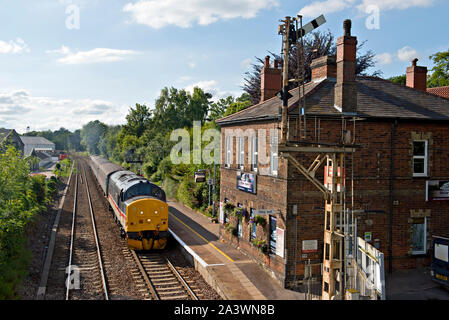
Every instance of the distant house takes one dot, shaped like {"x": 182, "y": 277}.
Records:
{"x": 10, "y": 137}
{"x": 440, "y": 91}
{"x": 45, "y": 158}
{"x": 36, "y": 143}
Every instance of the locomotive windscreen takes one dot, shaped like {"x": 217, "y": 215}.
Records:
{"x": 146, "y": 189}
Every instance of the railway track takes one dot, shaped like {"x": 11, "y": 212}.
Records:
{"x": 101, "y": 265}
{"x": 162, "y": 278}
{"x": 87, "y": 277}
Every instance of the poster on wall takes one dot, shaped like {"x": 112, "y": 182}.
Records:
{"x": 280, "y": 242}
{"x": 246, "y": 182}
{"x": 437, "y": 190}
{"x": 310, "y": 246}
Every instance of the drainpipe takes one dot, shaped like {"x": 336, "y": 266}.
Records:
{"x": 390, "y": 249}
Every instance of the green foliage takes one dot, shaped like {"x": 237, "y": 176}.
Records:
{"x": 62, "y": 138}
{"x": 185, "y": 192}
{"x": 21, "y": 198}
{"x": 231, "y": 229}
{"x": 261, "y": 244}
{"x": 440, "y": 75}
{"x": 399, "y": 79}
{"x": 91, "y": 134}
{"x": 258, "y": 220}
{"x": 228, "y": 106}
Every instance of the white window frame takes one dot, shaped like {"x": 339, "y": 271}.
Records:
{"x": 242, "y": 153}
{"x": 425, "y": 157}
{"x": 416, "y": 253}
{"x": 228, "y": 152}
{"x": 255, "y": 155}
{"x": 274, "y": 155}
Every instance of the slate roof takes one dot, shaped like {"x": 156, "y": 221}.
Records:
{"x": 376, "y": 98}
{"x": 35, "y": 140}
{"x": 4, "y": 133}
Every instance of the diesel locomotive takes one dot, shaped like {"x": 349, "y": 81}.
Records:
{"x": 139, "y": 207}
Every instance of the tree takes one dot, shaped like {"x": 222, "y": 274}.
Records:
{"x": 137, "y": 120}
{"x": 440, "y": 75}
{"x": 316, "y": 44}
{"x": 228, "y": 106}
{"x": 91, "y": 134}
{"x": 402, "y": 79}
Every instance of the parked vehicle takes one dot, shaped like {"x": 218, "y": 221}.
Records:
{"x": 440, "y": 261}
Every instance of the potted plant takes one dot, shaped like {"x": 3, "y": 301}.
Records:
{"x": 258, "y": 220}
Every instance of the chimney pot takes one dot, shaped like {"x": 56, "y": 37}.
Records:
{"x": 414, "y": 62}
{"x": 347, "y": 25}
{"x": 267, "y": 61}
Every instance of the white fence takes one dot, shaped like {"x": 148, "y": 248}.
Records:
{"x": 368, "y": 277}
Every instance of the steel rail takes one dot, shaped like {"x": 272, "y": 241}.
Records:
{"x": 145, "y": 275}
{"x": 181, "y": 279}
{"x": 68, "y": 281}
{"x": 94, "y": 226}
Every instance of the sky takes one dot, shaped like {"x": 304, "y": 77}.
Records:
{"x": 64, "y": 63}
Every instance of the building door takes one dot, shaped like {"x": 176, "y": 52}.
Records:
{"x": 273, "y": 234}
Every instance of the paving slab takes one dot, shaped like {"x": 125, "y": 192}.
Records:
{"x": 227, "y": 269}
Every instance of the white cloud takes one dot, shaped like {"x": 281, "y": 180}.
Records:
{"x": 245, "y": 64}
{"x": 384, "y": 58}
{"x": 395, "y": 4}
{"x": 211, "y": 86}
{"x": 407, "y": 54}
{"x": 97, "y": 55}
{"x": 185, "y": 13}
{"x": 330, "y": 6}
{"x": 19, "y": 109}
{"x": 317, "y": 8}
{"x": 13, "y": 47}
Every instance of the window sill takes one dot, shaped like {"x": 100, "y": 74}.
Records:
{"x": 421, "y": 176}
{"x": 419, "y": 254}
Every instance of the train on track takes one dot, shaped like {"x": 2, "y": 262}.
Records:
{"x": 139, "y": 207}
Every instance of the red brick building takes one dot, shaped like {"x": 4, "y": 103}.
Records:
{"x": 399, "y": 170}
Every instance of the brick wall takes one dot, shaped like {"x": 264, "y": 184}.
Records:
{"x": 372, "y": 183}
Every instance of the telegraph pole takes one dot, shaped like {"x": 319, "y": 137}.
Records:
{"x": 285, "y": 31}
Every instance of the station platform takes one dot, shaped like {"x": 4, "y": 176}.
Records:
{"x": 231, "y": 273}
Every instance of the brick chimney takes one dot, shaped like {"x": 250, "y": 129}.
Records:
{"x": 271, "y": 80}
{"x": 346, "y": 86}
{"x": 417, "y": 77}
{"x": 324, "y": 67}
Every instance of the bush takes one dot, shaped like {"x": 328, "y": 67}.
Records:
{"x": 21, "y": 199}
{"x": 185, "y": 191}
{"x": 170, "y": 187}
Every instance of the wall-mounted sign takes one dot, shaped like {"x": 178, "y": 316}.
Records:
{"x": 310, "y": 246}
{"x": 437, "y": 190}
{"x": 368, "y": 236}
{"x": 265, "y": 212}
{"x": 247, "y": 182}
